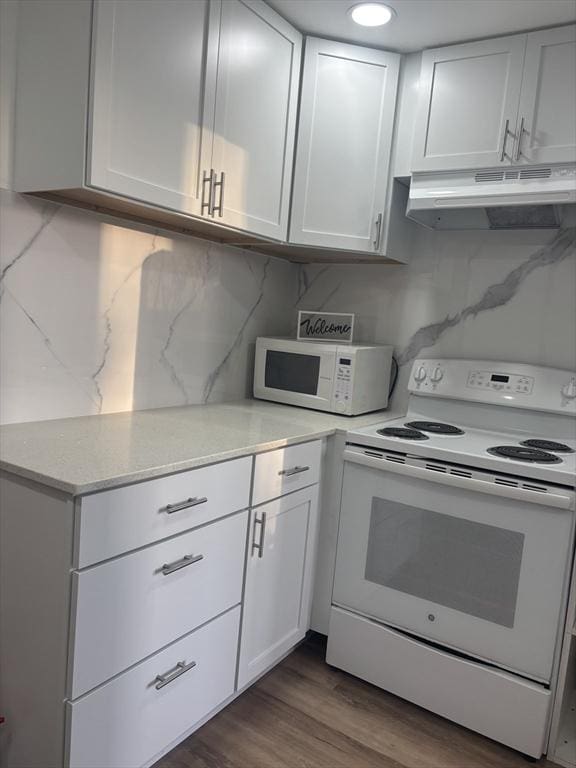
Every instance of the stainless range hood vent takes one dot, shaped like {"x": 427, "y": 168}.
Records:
{"x": 540, "y": 197}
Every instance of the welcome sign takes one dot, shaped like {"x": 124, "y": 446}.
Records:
{"x": 326, "y": 326}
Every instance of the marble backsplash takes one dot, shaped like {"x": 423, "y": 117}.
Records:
{"x": 481, "y": 295}
{"x": 97, "y": 317}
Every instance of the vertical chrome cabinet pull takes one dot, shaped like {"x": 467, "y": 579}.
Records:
{"x": 220, "y": 207}
{"x": 169, "y": 677}
{"x": 260, "y": 546}
{"x": 186, "y": 504}
{"x": 505, "y": 140}
{"x": 293, "y": 471}
{"x": 207, "y": 178}
{"x": 376, "y": 240}
{"x": 186, "y": 560}
{"x": 520, "y": 134}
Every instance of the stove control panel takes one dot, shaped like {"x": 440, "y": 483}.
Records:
{"x": 501, "y": 382}
{"x": 515, "y": 385}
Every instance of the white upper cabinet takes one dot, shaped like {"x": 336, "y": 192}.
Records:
{"x": 547, "y": 128}
{"x": 345, "y": 131}
{"x": 161, "y": 106}
{"x": 254, "y": 124}
{"x": 468, "y": 105}
{"x": 154, "y": 67}
{"x": 498, "y": 102}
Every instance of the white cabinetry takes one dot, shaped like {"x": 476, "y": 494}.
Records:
{"x": 153, "y": 85}
{"x": 255, "y": 118}
{"x": 278, "y": 581}
{"x": 341, "y": 173}
{"x": 498, "y": 102}
{"x": 547, "y": 129}
{"x": 191, "y": 109}
{"x": 468, "y": 105}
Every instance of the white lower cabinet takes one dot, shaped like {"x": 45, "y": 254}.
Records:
{"x": 131, "y": 719}
{"x": 279, "y": 573}
{"x": 153, "y": 596}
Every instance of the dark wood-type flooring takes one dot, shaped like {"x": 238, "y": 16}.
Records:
{"x": 305, "y": 714}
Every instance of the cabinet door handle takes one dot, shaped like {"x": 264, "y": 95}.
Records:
{"x": 505, "y": 141}
{"x": 376, "y": 240}
{"x": 220, "y": 185}
{"x": 169, "y": 677}
{"x": 168, "y": 568}
{"x": 293, "y": 471}
{"x": 260, "y": 546}
{"x": 207, "y": 178}
{"x": 192, "y": 502}
{"x": 520, "y": 134}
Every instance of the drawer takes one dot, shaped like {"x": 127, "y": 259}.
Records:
{"x": 116, "y": 521}
{"x": 497, "y": 704}
{"x": 128, "y": 721}
{"x": 130, "y": 607}
{"x": 286, "y": 470}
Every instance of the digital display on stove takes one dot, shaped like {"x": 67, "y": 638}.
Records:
{"x": 499, "y": 377}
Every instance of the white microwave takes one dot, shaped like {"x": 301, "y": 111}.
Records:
{"x": 341, "y": 378}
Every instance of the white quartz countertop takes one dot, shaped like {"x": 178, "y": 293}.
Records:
{"x": 92, "y": 453}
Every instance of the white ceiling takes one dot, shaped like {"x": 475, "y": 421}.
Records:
{"x": 426, "y": 23}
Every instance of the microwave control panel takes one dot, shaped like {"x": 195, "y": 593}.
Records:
{"x": 342, "y": 390}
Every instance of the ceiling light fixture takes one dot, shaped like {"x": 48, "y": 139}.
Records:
{"x": 371, "y": 14}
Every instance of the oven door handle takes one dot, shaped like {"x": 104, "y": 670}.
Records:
{"x": 545, "y": 499}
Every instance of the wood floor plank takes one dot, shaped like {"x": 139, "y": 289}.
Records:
{"x": 305, "y": 714}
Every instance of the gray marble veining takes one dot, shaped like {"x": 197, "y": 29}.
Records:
{"x": 494, "y": 296}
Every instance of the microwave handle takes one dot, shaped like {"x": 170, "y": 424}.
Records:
{"x": 549, "y": 499}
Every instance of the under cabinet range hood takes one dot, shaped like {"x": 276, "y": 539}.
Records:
{"x": 541, "y": 197}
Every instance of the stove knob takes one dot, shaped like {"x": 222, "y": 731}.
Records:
{"x": 437, "y": 375}
{"x": 420, "y": 374}
{"x": 569, "y": 390}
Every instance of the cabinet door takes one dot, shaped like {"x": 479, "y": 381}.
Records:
{"x": 278, "y": 587}
{"x": 547, "y": 107}
{"x": 154, "y": 66}
{"x": 466, "y": 116}
{"x": 254, "y": 125}
{"x": 344, "y": 140}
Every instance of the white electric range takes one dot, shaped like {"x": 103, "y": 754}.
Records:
{"x": 455, "y": 546}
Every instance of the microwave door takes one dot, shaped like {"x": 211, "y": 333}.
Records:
{"x": 474, "y": 571}
{"x": 303, "y": 378}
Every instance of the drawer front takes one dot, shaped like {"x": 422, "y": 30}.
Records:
{"x": 128, "y": 721}
{"x": 497, "y": 704}
{"x": 128, "y": 608}
{"x": 117, "y": 521}
{"x": 286, "y": 470}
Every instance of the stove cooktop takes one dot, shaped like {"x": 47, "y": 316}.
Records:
{"x": 511, "y": 452}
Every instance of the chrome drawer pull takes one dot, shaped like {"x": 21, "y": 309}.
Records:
{"x": 181, "y": 667}
{"x": 293, "y": 471}
{"x": 186, "y": 560}
{"x": 171, "y": 508}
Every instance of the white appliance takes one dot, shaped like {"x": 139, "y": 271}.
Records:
{"x": 348, "y": 379}
{"x": 455, "y": 546}
{"x": 541, "y": 197}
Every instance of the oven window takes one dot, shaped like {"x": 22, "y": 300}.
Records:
{"x": 468, "y": 566}
{"x": 292, "y": 372}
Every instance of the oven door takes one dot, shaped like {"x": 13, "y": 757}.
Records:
{"x": 455, "y": 556}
